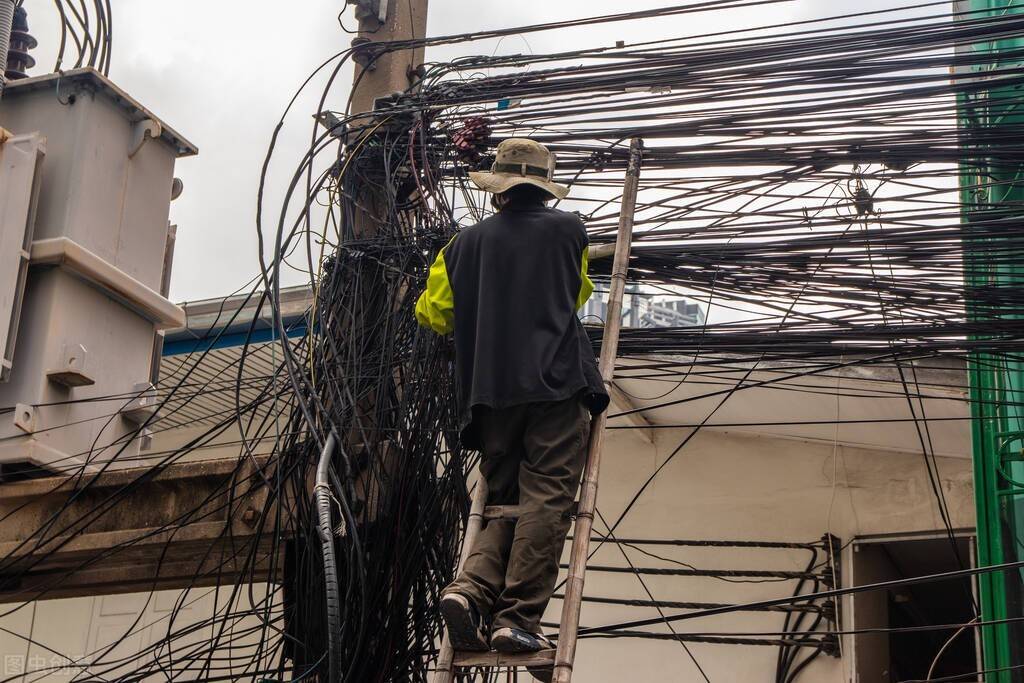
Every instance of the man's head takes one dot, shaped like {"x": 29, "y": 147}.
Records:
{"x": 520, "y": 195}
{"x": 520, "y": 163}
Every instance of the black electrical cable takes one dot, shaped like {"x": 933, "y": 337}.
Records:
{"x": 836, "y": 592}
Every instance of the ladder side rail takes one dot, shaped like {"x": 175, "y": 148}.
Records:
{"x": 567, "y": 637}
{"x": 445, "y": 669}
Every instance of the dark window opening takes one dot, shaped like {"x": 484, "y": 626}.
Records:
{"x": 909, "y": 655}
{"x": 20, "y": 471}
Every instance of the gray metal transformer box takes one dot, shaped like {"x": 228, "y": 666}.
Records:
{"x": 92, "y": 300}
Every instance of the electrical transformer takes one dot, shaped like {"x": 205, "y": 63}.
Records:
{"x": 86, "y": 177}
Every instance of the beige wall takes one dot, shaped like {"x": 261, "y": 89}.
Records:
{"x": 722, "y": 485}
{"x": 68, "y": 634}
{"x": 740, "y": 487}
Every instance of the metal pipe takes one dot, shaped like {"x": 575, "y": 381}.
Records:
{"x": 6, "y": 25}
{"x": 331, "y": 583}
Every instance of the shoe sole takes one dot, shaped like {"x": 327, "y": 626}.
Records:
{"x": 462, "y": 631}
{"x": 512, "y": 646}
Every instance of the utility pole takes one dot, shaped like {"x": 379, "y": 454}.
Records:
{"x": 380, "y": 74}
{"x": 991, "y": 193}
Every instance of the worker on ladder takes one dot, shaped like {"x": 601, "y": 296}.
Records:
{"x": 509, "y": 288}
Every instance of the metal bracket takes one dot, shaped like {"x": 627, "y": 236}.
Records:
{"x": 177, "y": 187}
{"x": 25, "y": 418}
{"x": 143, "y": 406}
{"x": 72, "y": 372}
{"x": 335, "y": 126}
{"x": 142, "y": 132}
{"x": 367, "y": 8}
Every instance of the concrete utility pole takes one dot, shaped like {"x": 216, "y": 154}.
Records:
{"x": 380, "y": 75}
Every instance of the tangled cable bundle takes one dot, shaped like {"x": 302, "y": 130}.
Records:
{"x": 86, "y": 35}
{"x": 814, "y": 184}
{"x": 829, "y": 225}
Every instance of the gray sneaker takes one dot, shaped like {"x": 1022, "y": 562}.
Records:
{"x": 513, "y": 640}
{"x": 465, "y": 627}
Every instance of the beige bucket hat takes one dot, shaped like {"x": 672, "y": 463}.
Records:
{"x": 520, "y": 161}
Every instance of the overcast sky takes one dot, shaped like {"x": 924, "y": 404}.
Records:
{"x": 222, "y": 71}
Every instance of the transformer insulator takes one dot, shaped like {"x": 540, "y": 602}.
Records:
{"x": 19, "y": 61}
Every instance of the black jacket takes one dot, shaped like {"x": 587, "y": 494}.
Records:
{"x": 509, "y": 288}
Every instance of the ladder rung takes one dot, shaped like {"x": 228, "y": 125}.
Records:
{"x": 502, "y": 512}
{"x": 502, "y": 659}
{"x": 513, "y": 511}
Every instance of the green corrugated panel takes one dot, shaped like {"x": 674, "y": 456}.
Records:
{"x": 996, "y": 380}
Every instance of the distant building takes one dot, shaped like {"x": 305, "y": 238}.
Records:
{"x": 640, "y": 309}
{"x": 672, "y": 312}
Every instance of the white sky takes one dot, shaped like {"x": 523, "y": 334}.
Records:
{"x": 222, "y": 71}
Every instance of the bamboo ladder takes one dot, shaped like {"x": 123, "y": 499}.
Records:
{"x": 562, "y": 657}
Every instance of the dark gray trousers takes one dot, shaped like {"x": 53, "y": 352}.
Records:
{"x": 533, "y": 456}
